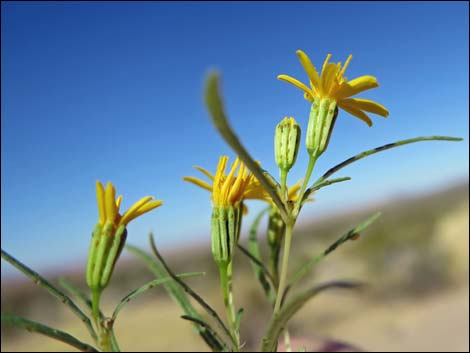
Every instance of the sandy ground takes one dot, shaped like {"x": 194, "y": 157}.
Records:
{"x": 437, "y": 323}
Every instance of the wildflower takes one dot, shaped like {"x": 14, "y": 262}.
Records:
{"x": 110, "y": 233}
{"x": 243, "y": 187}
{"x": 327, "y": 92}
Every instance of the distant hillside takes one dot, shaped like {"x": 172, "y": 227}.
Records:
{"x": 419, "y": 246}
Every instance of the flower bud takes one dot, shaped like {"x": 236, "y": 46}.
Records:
{"x": 286, "y": 143}
{"x": 320, "y": 125}
{"x": 106, "y": 246}
{"x": 225, "y": 231}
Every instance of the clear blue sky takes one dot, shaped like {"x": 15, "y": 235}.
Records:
{"x": 113, "y": 91}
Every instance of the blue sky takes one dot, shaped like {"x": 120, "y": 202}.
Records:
{"x": 113, "y": 91}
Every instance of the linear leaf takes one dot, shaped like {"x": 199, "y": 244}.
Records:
{"x": 258, "y": 267}
{"x": 33, "y": 326}
{"x": 384, "y": 148}
{"x": 79, "y": 294}
{"x": 176, "y": 292}
{"x": 146, "y": 287}
{"x": 320, "y": 185}
{"x": 41, "y": 281}
{"x": 214, "y": 103}
{"x": 188, "y": 289}
{"x": 345, "y": 237}
{"x": 280, "y": 319}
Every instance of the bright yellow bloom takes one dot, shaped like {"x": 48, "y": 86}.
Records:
{"x": 247, "y": 188}
{"x": 231, "y": 189}
{"x": 108, "y": 206}
{"x": 332, "y": 84}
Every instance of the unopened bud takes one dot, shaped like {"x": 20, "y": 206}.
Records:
{"x": 106, "y": 246}
{"x": 286, "y": 143}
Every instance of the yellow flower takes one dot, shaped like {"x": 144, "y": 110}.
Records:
{"x": 230, "y": 189}
{"x": 108, "y": 206}
{"x": 332, "y": 84}
{"x": 247, "y": 188}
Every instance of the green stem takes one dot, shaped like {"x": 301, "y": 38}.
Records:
{"x": 284, "y": 183}
{"x": 285, "y": 263}
{"x": 226, "y": 282}
{"x": 95, "y": 302}
{"x": 311, "y": 164}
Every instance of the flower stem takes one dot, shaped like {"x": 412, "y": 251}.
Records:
{"x": 95, "y": 302}
{"x": 285, "y": 263}
{"x": 311, "y": 164}
{"x": 226, "y": 282}
{"x": 283, "y": 184}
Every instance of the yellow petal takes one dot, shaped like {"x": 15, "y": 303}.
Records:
{"x": 357, "y": 113}
{"x": 367, "y": 105}
{"x": 295, "y": 82}
{"x": 198, "y": 182}
{"x": 228, "y": 182}
{"x": 356, "y": 86}
{"x": 218, "y": 178}
{"x": 325, "y": 63}
{"x": 345, "y": 66}
{"x": 237, "y": 185}
{"x": 310, "y": 69}
{"x": 293, "y": 191}
{"x": 100, "y": 201}
{"x": 118, "y": 202}
{"x": 331, "y": 71}
{"x": 204, "y": 171}
{"x": 143, "y": 209}
{"x": 128, "y": 214}
{"x": 110, "y": 203}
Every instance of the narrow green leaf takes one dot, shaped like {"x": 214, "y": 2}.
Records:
{"x": 41, "y": 281}
{"x": 146, "y": 287}
{"x": 33, "y": 326}
{"x": 174, "y": 290}
{"x": 238, "y": 319}
{"x": 323, "y": 183}
{"x": 188, "y": 289}
{"x": 384, "y": 148}
{"x": 212, "y": 339}
{"x": 214, "y": 103}
{"x": 79, "y": 294}
{"x": 280, "y": 319}
{"x": 345, "y": 237}
{"x": 254, "y": 254}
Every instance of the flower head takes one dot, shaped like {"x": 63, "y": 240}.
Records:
{"x": 252, "y": 188}
{"x": 230, "y": 189}
{"x": 108, "y": 206}
{"x": 332, "y": 84}
{"x": 109, "y": 235}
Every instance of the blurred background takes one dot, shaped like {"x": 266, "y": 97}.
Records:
{"x": 113, "y": 91}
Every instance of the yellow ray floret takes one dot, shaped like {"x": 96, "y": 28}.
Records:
{"x": 244, "y": 186}
{"x": 232, "y": 188}
{"x": 108, "y": 206}
{"x": 332, "y": 84}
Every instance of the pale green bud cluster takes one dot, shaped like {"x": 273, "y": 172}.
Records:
{"x": 286, "y": 143}
{"x": 225, "y": 231}
{"x": 322, "y": 118}
{"x": 105, "y": 248}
